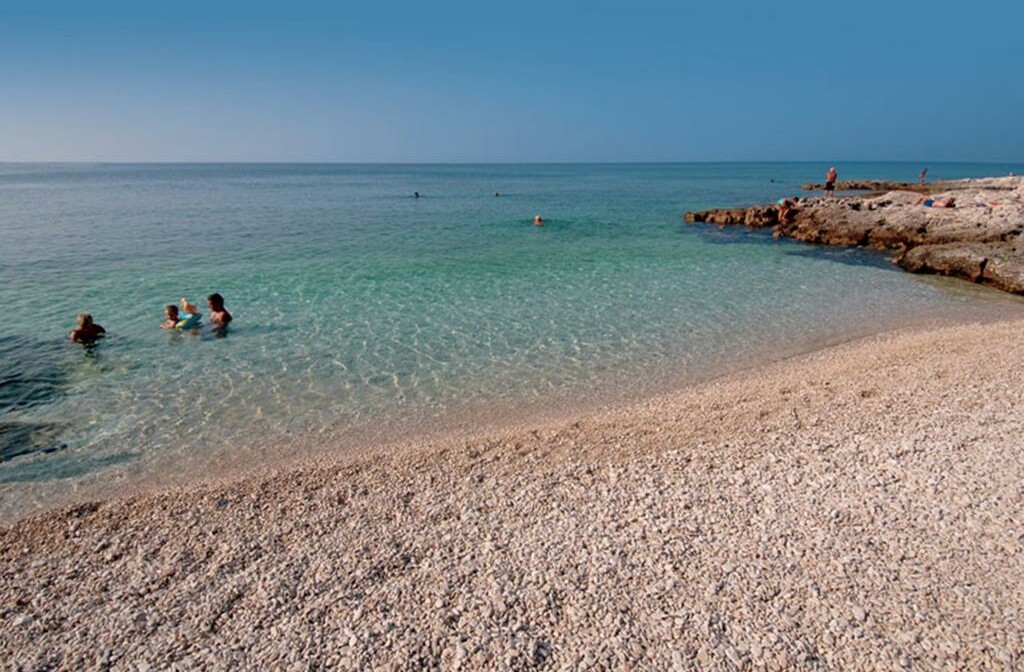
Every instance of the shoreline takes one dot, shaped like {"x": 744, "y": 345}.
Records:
{"x": 979, "y": 239}
{"x": 679, "y": 513}
{"x": 337, "y": 445}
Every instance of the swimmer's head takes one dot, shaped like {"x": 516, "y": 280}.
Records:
{"x": 84, "y": 320}
{"x": 215, "y": 301}
{"x": 171, "y": 311}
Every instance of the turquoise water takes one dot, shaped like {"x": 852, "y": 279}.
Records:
{"x": 363, "y": 312}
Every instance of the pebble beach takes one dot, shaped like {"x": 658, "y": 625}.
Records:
{"x": 857, "y": 508}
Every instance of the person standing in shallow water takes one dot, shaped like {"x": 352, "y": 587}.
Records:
{"x": 86, "y": 331}
{"x": 830, "y": 181}
{"x": 924, "y": 175}
{"x": 219, "y": 315}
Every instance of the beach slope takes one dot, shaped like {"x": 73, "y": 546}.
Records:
{"x": 856, "y": 508}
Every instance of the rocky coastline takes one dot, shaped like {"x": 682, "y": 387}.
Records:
{"x": 979, "y": 239}
{"x": 880, "y": 186}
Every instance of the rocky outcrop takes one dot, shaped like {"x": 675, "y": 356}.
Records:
{"x": 966, "y": 261}
{"x": 1005, "y": 271}
{"x": 978, "y": 240}
{"x": 756, "y": 217}
{"x": 879, "y": 185}
{"x": 893, "y": 222}
{"x": 998, "y": 264}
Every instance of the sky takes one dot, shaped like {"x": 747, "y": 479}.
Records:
{"x": 383, "y": 81}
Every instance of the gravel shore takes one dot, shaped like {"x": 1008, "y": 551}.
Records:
{"x": 856, "y": 508}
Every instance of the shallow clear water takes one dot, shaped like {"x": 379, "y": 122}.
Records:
{"x": 361, "y": 311}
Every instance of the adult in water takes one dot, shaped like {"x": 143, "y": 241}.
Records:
{"x": 538, "y": 220}
{"x": 924, "y": 175}
{"x": 219, "y": 315}
{"x": 86, "y": 331}
{"x": 830, "y": 181}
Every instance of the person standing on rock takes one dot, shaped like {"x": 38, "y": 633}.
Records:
{"x": 830, "y": 181}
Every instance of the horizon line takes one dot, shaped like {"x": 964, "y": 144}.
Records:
{"x": 488, "y": 163}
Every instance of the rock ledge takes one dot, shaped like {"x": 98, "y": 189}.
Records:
{"x": 980, "y": 239}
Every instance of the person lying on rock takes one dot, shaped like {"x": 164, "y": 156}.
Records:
{"x": 928, "y": 202}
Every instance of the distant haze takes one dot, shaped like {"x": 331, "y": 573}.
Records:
{"x": 523, "y": 81}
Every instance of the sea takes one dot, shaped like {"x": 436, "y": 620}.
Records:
{"x": 365, "y": 315}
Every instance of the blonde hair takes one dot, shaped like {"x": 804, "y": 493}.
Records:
{"x": 84, "y": 320}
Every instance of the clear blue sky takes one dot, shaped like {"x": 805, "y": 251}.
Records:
{"x": 513, "y": 81}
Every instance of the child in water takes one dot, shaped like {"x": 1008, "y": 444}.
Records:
{"x": 171, "y": 312}
{"x": 174, "y": 319}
